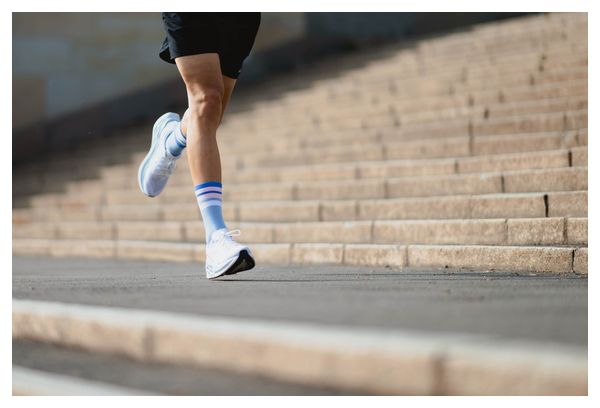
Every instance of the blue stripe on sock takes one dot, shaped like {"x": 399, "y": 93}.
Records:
{"x": 208, "y": 192}
{"x": 208, "y": 184}
{"x": 179, "y": 143}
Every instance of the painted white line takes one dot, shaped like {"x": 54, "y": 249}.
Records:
{"x": 379, "y": 361}
{"x": 26, "y": 381}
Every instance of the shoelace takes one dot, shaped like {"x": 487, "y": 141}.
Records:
{"x": 221, "y": 238}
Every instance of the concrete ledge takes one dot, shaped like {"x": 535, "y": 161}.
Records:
{"x": 508, "y": 258}
{"x": 26, "y": 381}
{"x": 476, "y": 257}
{"x": 157, "y": 251}
{"x": 317, "y": 253}
{"x": 91, "y": 248}
{"x": 375, "y": 361}
{"x": 375, "y": 255}
{"x": 580, "y": 262}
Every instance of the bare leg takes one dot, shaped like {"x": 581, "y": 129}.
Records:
{"x": 205, "y": 89}
{"x": 229, "y": 84}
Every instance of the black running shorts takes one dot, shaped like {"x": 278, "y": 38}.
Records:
{"x": 231, "y": 35}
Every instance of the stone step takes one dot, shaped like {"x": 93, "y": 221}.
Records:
{"x": 507, "y": 205}
{"x": 382, "y": 111}
{"x": 530, "y": 180}
{"x": 415, "y": 362}
{"x": 411, "y": 102}
{"x": 384, "y": 149}
{"x": 531, "y": 259}
{"x": 68, "y": 163}
{"x": 414, "y": 153}
{"x": 442, "y": 129}
{"x": 451, "y": 75}
{"x": 368, "y": 169}
{"x": 524, "y": 231}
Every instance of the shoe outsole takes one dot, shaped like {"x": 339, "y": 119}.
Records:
{"x": 244, "y": 262}
{"x": 155, "y": 136}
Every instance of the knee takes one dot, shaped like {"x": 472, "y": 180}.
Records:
{"x": 205, "y": 103}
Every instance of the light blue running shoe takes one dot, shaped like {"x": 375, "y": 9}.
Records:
{"x": 159, "y": 163}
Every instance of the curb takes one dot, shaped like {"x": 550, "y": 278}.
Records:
{"x": 375, "y": 361}
{"x": 531, "y": 259}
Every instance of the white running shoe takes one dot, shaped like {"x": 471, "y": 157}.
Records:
{"x": 158, "y": 165}
{"x": 224, "y": 256}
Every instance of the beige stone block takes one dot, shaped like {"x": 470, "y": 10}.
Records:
{"x": 176, "y": 195}
{"x": 254, "y": 175}
{"x": 117, "y": 183}
{"x": 580, "y": 262}
{"x": 515, "y": 143}
{"x": 449, "y": 128}
{"x": 149, "y": 231}
{"x": 75, "y": 331}
{"x": 519, "y": 124}
{"x": 418, "y": 149}
{"x": 509, "y": 370}
{"x": 582, "y": 137}
{"x": 579, "y": 156}
{"x": 128, "y": 197}
{"x": 414, "y": 208}
{"x": 577, "y": 231}
{"x": 483, "y": 232}
{"x": 34, "y": 230}
{"x": 22, "y": 215}
{"x": 319, "y": 363}
{"x": 272, "y": 253}
{"x": 83, "y": 248}
{"x": 279, "y": 211}
{"x": 323, "y": 232}
{"x": 27, "y": 246}
{"x": 88, "y": 213}
{"x": 445, "y": 185}
{"x": 496, "y": 163}
{"x": 259, "y": 192}
{"x": 375, "y": 255}
{"x": 340, "y": 189}
{"x": 131, "y": 213}
{"x": 338, "y": 210}
{"x": 508, "y": 206}
{"x": 332, "y": 171}
{"x": 546, "y": 180}
{"x": 403, "y": 168}
{"x": 80, "y": 199}
{"x": 45, "y": 200}
{"x": 568, "y": 204}
{"x": 187, "y": 212}
{"x": 316, "y": 253}
{"x": 85, "y": 230}
{"x": 576, "y": 119}
{"x": 156, "y": 251}
{"x": 536, "y": 231}
{"x": 508, "y": 258}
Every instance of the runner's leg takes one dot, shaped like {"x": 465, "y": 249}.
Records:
{"x": 229, "y": 84}
{"x": 205, "y": 90}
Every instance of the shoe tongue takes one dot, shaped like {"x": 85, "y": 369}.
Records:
{"x": 218, "y": 234}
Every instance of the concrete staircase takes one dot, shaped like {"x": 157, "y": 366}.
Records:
{"x": 467, "y": 150}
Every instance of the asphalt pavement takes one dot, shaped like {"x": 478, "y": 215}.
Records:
{"x": 546, "y": 308}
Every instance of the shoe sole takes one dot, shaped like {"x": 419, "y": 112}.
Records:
{"x": 155, "y": 135}
{"x": 244, "y": 262}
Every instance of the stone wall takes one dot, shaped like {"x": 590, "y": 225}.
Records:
{"x": 63, "y": 62}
